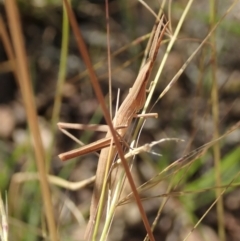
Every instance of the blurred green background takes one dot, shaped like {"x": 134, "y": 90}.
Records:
{"x": 184, "y": 113}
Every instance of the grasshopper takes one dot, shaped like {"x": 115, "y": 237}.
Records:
{"x": 132, "y": 104}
